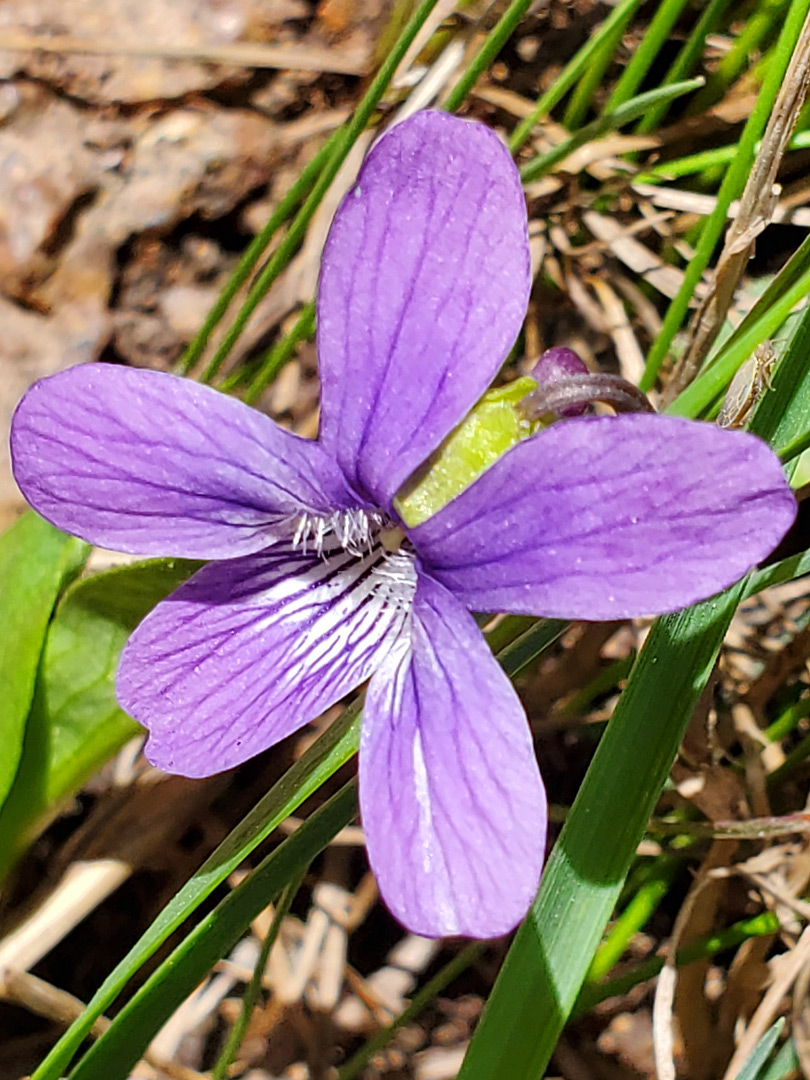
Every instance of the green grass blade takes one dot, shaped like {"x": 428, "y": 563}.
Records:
{"x": 119, "y": 1048}
{"x": 552, "y": 951}
{"x": 339, "y": 146}
{"x": 333, "y": 749}
{"x": 496, "y": 40}
{"x": 731, "y": 188}
{"x": 686, "y": 60}
{"x": 221, "y": 1071}
{"x": 601, "y": 60}
{"x": 257, "y": 247}
{"x": 544, "y": 163}
{"x": 35, "y": 562}
{"x": 541, "y": 978}
{"x": 655, "y": 37}
{"x": 573, "y": 70}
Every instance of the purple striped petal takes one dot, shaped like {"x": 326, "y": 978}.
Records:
{"x": 452, "y": 802}
{"x": 610, "y": 517}
{"x": 145, "y": 462}
{"x": 250, "y": 649}
{"x": 424, "y": 285}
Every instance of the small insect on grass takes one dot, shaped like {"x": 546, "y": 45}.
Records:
{"x": 747, "y": 387}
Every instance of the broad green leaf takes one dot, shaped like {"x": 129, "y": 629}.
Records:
{"x": 120, "y": 1047}
{"x": 75, "y": 724}
{"x": 35, "y": 562}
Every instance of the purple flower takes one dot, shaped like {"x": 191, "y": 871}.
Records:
{"x": 317, "y": 585}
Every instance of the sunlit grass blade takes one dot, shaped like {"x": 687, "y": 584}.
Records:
{"x": 573, "y": 70}
{"x": 119, "y": 1048}
{"x": 656, "y": 36}
{"x": 544, "y": 163}
{"x": 339, "y": 147}
{"x": 731, "y": 188}
{"x": 600, "y": 61}
{"x": 495, "y": 41}
{"x": 221, "y": 1070}
{"x": 250, "y": 259}
{"x": 547, "y": 963}
{"x": 686, "y": 60}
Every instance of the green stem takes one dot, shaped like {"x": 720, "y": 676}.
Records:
{"x": 254, "y": 987}
{"x": 655, "y": 37}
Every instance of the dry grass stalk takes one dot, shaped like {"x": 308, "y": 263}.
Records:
{"x": 756, "y": 210}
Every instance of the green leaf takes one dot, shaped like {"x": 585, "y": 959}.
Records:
{"x": 761, "y": 1052}
{"x": 75, "y": 723}
{"x": 36, "y": 560}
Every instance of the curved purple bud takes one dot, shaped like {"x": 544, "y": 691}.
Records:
{"x": 559, "y": 363}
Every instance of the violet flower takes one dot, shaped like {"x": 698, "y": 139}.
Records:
{"x": 316, "y": 585}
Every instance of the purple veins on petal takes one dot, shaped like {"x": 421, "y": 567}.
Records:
{"x": 149, "y": 463}
{"x": 451, "y": 798}
{"x": 249, "y": 650}
{"x": 610, "y": 517}
{"x": 424, "y": 285}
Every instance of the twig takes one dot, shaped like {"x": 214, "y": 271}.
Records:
{"x": 235, "y": 54}
{"x": 756, "y": 210}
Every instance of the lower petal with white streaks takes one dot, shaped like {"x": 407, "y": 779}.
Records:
{"x": 249, "y": 650}
{"x": 452, "y": 802}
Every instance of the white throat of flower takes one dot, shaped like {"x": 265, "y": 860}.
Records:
{"x": 367, "y": 549}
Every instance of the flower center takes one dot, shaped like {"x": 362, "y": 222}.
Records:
{"x": 354, "y": 531}
{"x": 366, "y": 550}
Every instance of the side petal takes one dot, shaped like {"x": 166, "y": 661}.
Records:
{"x": 249, "y": 650}
{"x": 149, "y": 463}
{"x": 423, "y": 289}
{"x": 611, "y": 517}
{"x": 452, "y": 802}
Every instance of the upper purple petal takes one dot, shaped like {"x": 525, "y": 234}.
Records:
{"x": 452, "y": 802}
{"x": 145, "y": 462}
{"x": 610, "y": 517}
{"x": 250, "y": 649}
{"x": 424, "y": 285}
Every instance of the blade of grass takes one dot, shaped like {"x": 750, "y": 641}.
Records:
{"x": 686, "y": 60}
{"x": 119, "y": 1048}
{"x": 254, "y": 987}
{"x": 656, "y": 36}
{"x": 572, "y": 71}
{"x": 544, "y": 163}
{"x": 732, "y": 186}
{"x": 322, "y": 759}
{"x": 545, "y": 967}
{"x": 253, "y": 254}
{"x": 339, "y": 148}
{"x": 496, "y": 39}
{"x": 601, "y": 59}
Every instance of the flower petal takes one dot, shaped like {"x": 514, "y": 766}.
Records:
{"x": 149, "y": 463}
{"x": 610, "y": 517}
{"x": 424, "y": 285}
{"x": 452, "y": 802}
{"x": 250, "y": 649}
